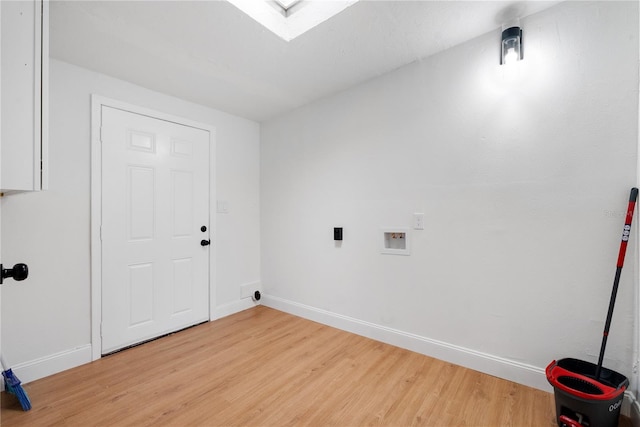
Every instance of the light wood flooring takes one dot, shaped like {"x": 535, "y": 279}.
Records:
{"x": 262, "y": 367}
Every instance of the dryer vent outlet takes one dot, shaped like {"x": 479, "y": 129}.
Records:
{"x": 247, "y": 290}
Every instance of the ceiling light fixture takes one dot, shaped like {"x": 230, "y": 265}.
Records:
{"x": 511, "y": 46}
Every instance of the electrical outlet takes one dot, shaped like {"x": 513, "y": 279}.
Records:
{"x": 418, "y": 221}
{"x": 222, "y": 206}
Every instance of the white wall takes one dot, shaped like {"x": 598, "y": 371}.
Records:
{"x": 523, "y": 176}
{"x": 635, "y": 410}
{"x": 46, "y": 319}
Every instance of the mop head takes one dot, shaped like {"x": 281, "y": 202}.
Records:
{"x": 12, "y": 384}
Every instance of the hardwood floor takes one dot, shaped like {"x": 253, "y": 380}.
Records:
{"x": 262, "y": 367}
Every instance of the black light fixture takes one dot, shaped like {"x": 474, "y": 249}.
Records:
{"x": 511, "y": 46}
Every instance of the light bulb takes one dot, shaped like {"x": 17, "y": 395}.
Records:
{"x": 511, "y": 56}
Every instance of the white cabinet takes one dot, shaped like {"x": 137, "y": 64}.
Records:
{"x": 24, "y": 49}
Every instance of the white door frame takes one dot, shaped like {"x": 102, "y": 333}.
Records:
{"x": 97, "y": 102}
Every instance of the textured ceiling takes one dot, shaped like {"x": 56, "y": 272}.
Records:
{"x": 210, "y": 53}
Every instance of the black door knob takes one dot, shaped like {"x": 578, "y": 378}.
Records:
{"x": 205, "y": 242}
{"x": 18, "y": 272}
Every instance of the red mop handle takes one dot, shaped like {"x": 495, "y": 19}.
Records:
{"x": 627, "y": 226}
{"x": 626, "y": 232}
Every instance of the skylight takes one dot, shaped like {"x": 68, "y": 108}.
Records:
{"x": 290, "y": 18}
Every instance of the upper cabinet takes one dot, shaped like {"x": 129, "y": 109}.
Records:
{"x": 24, "y": 49}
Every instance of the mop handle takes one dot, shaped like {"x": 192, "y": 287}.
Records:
{"x": 627, "y": 226}
{"x": 626, "y": 232}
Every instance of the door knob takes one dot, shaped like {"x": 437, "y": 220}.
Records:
{"x": 18, "y": 272}
{"x": 205, "y": 242}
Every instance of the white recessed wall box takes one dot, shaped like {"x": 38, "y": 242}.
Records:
{"x": 395, "y": 241}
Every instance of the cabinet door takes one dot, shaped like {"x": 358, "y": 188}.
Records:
{"x": 23, "y": 89}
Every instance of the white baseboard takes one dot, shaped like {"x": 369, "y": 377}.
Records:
{"x": 532, "y": 376}
{"x": 233, "y": 307}
{"x": 633, "y": 409}
{"x": 52, "y": 364}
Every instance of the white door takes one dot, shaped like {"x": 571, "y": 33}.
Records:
{"x": 155, "y": 220}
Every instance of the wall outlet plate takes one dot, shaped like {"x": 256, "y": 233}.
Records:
{"x": 418, "y": 221}
{"x": 222, "y": 206}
